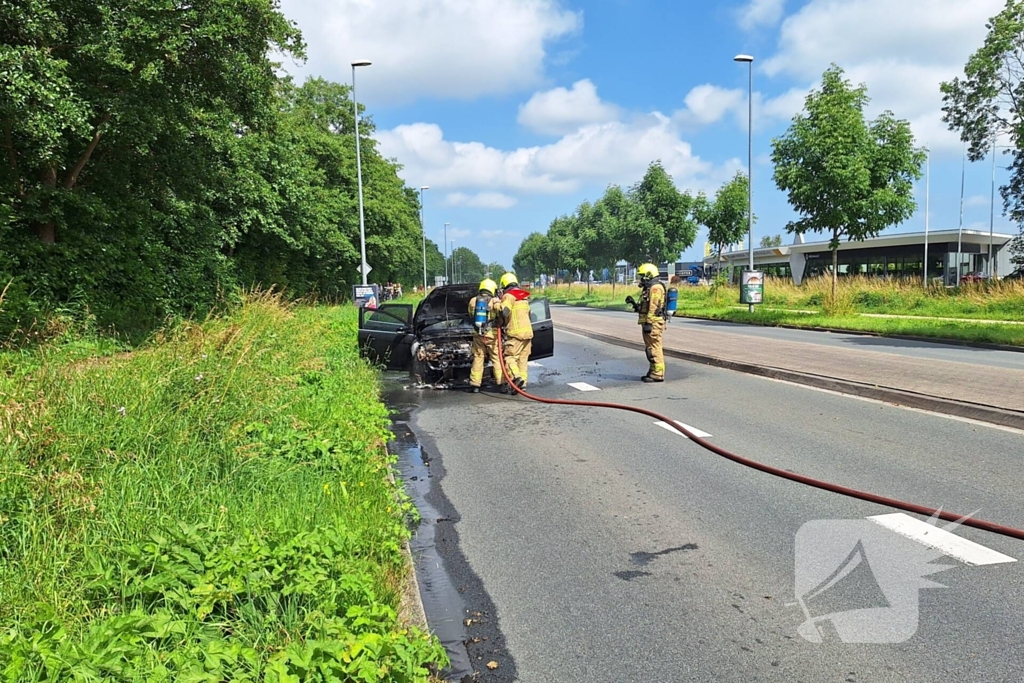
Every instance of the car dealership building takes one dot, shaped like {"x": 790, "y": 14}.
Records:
{"x": 898, "y": 256}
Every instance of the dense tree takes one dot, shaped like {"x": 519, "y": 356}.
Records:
{"x": 466, "y": 265}
{"x": 770, "y": 241}
{"x": 154, "y": 160}
{"x": 726, "y": 217}
{"x": 660, "y": 226}
{"x": 845, "y": 176}
{"x": 533, "y": 257}
{"x": 985, "y": 103}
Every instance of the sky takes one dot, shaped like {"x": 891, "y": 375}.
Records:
{"x": 513, "y": 112}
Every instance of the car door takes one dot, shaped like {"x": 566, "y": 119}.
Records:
{"x": 543, "y": 330}
{"x": 385, "y": 335}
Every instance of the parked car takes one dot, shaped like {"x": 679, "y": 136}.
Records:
{"x": 1016, "y": 275}
{"x": 433, "y": 343}
{"x": 976, "y": 276}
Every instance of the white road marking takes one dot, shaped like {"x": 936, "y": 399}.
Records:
{"x": 583, "y": 386}
{"x": 936, "y": 537}
{"x": 581, "y": 336}
{"x": 534, "y": 364}
{"x": 693, "y": 430}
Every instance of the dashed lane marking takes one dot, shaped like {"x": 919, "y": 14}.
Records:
{"x": 583, "y": 386}
{"x": 936, "y": 537}
{"x": 693, "y": 430}
{"x": 534, "y": 364}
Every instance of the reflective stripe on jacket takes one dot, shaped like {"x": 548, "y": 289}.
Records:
{"x": 515, "y": 307}
{"x": 652, "y": 303}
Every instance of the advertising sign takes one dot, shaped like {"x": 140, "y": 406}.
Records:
{"x": 366, "y": 296}
{"x": 751, "y": 287}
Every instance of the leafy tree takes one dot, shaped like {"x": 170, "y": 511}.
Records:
{"x": 533, "y": 257}
{"x": 725, "y": 217}
{"x": 1017, "y": 250}
{"x": 770, "y": 241}
{"x": 659, "y": 226}
{"x": 466, "y": 265}
{"x": 496, "y": 270}
{"x": 846, "y": 176}
{"x": 985, "y": 103}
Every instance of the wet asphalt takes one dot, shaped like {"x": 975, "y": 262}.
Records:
{"x": 586, "y": 544}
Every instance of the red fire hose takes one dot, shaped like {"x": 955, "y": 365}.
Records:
{"x": 800, "y": 478}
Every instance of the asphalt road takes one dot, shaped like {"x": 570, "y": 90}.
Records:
{"x": 592, "y": 545}
{"x": 904, "y": 347}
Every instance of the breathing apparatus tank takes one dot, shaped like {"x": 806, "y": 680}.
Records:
{"x": 671, "y": 302}
{"x": 480, "y": 312}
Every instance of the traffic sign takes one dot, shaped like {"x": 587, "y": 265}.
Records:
{"x": 364, "y": 269}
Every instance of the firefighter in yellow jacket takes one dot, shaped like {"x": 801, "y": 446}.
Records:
{"x": 651, "y": 308}
{"x": 517, "y": 330}
{"x": 485, "y": 337}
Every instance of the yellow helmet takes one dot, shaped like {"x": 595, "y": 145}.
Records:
{"x": 648, "y": 271}
{"x": 509, "y": 279}
{"x": 488, "y": 285}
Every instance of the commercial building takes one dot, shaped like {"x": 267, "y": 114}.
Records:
{"x": 896, "y": 256}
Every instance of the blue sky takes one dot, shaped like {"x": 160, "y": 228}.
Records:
{"x": 515, "y": 111}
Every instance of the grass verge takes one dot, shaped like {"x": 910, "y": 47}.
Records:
{"x": 807, "y": 312}
{"x": 212, "y": 506}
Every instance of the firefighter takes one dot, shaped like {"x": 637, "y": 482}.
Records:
{"x": 651, "y": 308}
{"x": 517, "y": 330}
{"x": 485, "y": 335}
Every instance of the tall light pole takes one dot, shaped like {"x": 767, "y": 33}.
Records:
{"x": 992, "y": 214}
{"x": 446, "y": 280}
{"x": 455, "y": 276}
{"x": 423, "y": 231}
{"x": 927, "y": 208}
{"x": 960, "y": 229}
{"x": 364, "y": 266}
{"x": 750, "y": 157}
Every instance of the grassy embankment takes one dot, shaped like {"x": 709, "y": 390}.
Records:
{"x": 859, "y": 299}
{"x": 214, "y": 505}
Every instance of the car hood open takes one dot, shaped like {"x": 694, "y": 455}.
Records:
{"x": 449, "y": 303}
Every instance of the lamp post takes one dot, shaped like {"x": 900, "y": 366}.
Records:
{"x": 960, "y": 229}
{"x": 446, "y": 281}
{"x": 927, "y": 209}
{"x": 992, "y": 214}
{"x": 423, "y": 233}
{"x": 454, "y": 274}
{"x": 750, "y": 157}
{"x": 364, "y": 266}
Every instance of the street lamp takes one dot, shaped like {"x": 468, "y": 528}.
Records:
{"x": 446, "y": 280}
{"x": 927, "y": 207}
{"x": 423, "y": 232}
{"x": 750, "y": 158}
{"x": 960, "y": 229}
{"x": 455, "y": 276}
{"x": 364, "y": 266}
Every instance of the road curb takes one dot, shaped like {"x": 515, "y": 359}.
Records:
{"x": 973, "y": 411}
{"x": 410, "y": 606}
{"x": 836, "y": 330}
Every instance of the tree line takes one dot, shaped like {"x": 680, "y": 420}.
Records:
{"x": 155, "y": 158}
{"x": 847, "y": 177}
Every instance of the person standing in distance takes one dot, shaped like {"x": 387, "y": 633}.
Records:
{"x": 517, "y": 330}
{"x": 651, "y": 308}
{"x": 485, "y": 336}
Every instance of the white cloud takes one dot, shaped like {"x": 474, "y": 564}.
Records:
{"x": 612, "y": 152}
{"x": 708, "y": 103}
{"x": 901, "y": 50}
{"x": 433, "y": 48}
{"x": 561, "y": 111}
{"x": 978, "y": 200}
{"x": 481, "y": 200}
{"x": 759, "y": 13}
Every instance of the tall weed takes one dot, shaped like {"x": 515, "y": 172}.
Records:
{"x": 214, "y": 505}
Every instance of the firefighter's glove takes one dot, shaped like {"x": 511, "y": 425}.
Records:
{"x": 632, "y": 302}
{"x": 647, "y": 328}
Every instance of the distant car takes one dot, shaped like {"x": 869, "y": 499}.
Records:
{"x": 433, "y": 344}
{"x": 976, "y": 276}
{"x": 1016, "y": 275}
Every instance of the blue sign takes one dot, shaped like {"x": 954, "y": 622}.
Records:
{"x": 366, "y": 296}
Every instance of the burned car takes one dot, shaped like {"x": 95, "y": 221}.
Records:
{"x": 434, "y": 343}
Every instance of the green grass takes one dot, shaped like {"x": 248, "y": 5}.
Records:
{"x": 784, "y": 301}
{"x": 212, "y": 506}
